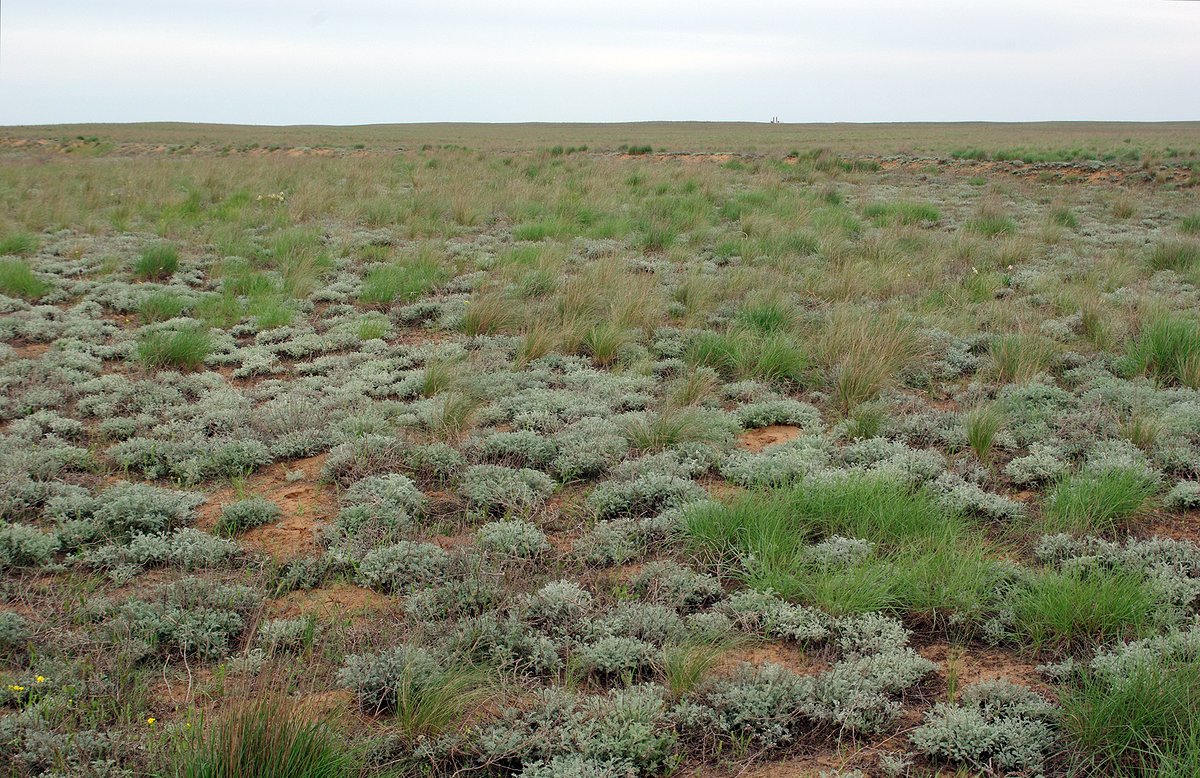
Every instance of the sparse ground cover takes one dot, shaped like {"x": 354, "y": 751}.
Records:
{"x": 600, "y": 451}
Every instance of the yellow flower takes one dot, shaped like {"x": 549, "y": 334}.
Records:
{"x": 41, "y": 679}
{"x": 12, "y": 687}
{"x": 150, "y": 721}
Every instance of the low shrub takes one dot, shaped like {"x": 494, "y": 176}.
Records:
{"x": 997, "y": 727}
{"x": 246, "y": 514}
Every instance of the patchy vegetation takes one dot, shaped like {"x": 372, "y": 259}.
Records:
{"x": 529, "y": 456}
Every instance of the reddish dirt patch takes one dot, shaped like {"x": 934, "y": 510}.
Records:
{"x": 786, "y": 654}
{"x": 305, "y": 504}
{"x": 981, "y": 664}
{"x": 31, "y": 350}
{"x": 338, "y": 601}
{"x": 757, "y": 439}
{"x": 1176, "y": 526}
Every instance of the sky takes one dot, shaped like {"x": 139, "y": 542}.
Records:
{"x": 373, "y": 61}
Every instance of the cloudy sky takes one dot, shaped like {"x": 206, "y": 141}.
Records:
{"x": 365, "y": 61}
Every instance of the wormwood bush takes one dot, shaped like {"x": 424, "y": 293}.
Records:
{"x": 513, "y": 538}
{"x": 523, "y": 448}
{"x": 1043, "y": 463}
{"x": 194, "y": 616}
{"x": 495, "y": 488}
{"x": 186, "y": 548}
{"x": 403, "y": 567}
{"x": 126, "y": 508}
{"x": 191, "y": 461}
{"x": 615, "y": 657}
{"x": 779, "y": 465}
{"x": 556, "y": 607}
{"x": 14, "y": 630}
{"x": 246, "y": 514}
{"x": 782, "y": 411}
{"x": 379, "y": 508}
{"x": 627, "y": 730}
{"x": 22, "y": 545}
{"x": 286, "y": 634}
{"x": 650, "y": 622}
{"x": 763, "y": 613}
{"x": 424, "y": 694}
{"x": 997, "y": 727}
{"x": 1184, "y": 495}
{"x": 676, "y": 586}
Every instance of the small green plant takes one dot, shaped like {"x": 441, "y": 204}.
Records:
{"x": 17, "y": 279}
{"x": 185, "y": 349}
{"x": 1190, "y": 224}
{"x": 157, "y": 262}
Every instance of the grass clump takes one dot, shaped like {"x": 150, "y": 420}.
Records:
{"x": 1143, "y": 722}
{"x": 17, "y": 280}
{"x": 991, "y": 224}
{"x": 901, "y": 213}
{"x": 747, "y": 355}
{"x": 853, "y": 545}
{"x": 424, "y": 695}
{"x": 162, "y": 306}
{"x": 1177, "y": 255}
{"x": 1168, "y": 350}
{"x": 402, "y": 281}
{"x": 1190, "y": 225}
{"x": 18, "y": 244}
{"x": 1082, "y": 607}
{"x": 265, "y": 737}
{"x": 1097, "y": 500}
{"x": 184, "y": 349}
{"x": 157, "y": 262}
{"x": 1018, "y": 357}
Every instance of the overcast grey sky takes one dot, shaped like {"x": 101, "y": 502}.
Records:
{"x": 362, "y": 61}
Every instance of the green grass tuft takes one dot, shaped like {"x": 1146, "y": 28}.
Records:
{"x": 185, "y": 349}
{"x": 267, "y": 737}
{"x": 1097, "y": 501}
{"x": 17, "y": 280}
{"x": 157, "y": 262}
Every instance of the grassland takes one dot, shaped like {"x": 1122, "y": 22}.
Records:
{"x": 600, "y": 450}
